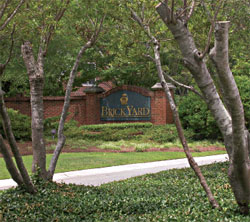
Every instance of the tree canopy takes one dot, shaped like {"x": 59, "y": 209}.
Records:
{"x": 120, "y": 54}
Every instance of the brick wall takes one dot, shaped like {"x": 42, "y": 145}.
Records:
{"x": 52, "y": 106}
{"x": 86, "y": 109}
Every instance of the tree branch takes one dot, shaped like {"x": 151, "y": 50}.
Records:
{"x": 172, "y": 11}
{"x": 190, "y": 88}
{"x": 3, "y": 7}
{"x": 185, "y": 7}
{"x": 140, "y": 22}
{"x": 212, "y": 20}
{"x": 2, "y": 66}
{"x": 8, "y": 19}
{"x": 143, "y": 11}
{"x": 176, "y": 83}
{"x": 191, "y": 11}
{"x": 164, "y": 12}
{"x": 45, "y": 40}
{"x": 150, "y": 57}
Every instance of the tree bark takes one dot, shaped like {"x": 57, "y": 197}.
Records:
{"x": 36, "y": 79}
{"x": 200, "y": 73}
{"x": 232, "y": 128}
{"x": 239, "y": 171}
{"x": 61, "y": 137}
{"x": 10, "y": 165}
{"x": 12, "y": 142}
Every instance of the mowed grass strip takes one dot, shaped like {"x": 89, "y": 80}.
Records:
{"x": 89, "y": 160}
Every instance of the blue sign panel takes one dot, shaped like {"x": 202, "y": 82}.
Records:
{"x": 125, "y": 105}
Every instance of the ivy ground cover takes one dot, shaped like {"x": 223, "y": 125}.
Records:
{"x": 174, "y": 195}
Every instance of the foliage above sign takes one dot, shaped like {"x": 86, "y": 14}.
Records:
{"x": 125, "y": 105}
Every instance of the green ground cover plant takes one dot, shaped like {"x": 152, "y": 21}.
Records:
{"x": 174, "y": 195}
{"x": 89, "y": 160}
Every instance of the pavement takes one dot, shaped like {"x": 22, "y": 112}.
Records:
{"x": 100, "y": 176}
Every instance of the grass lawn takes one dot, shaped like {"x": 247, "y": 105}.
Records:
{"x": 85, "y": 160}
{"x": 173, "y": 195}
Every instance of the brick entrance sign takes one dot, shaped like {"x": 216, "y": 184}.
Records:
{"x": 96, "y": 106}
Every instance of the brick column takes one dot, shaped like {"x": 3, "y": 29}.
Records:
{"x": 92, "y": 112}
{"x": 161, "y": 111}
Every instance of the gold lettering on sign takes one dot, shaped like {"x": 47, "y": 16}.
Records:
{"x": 146, "y": 111}
{"x": 134, "y": 112}
{"x": 104, "y": 110}
{"x": 111, "y": 112}
{"x": 123, "y": 112}
{"x": 140, "y": 113}
{"x": 128, "y": 111}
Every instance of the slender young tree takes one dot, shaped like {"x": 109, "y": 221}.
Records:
{"x": 157, "y": 61}
{"x": 61, "y": 138}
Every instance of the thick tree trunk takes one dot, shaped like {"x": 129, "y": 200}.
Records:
{"x": 200, "y": 72}
{"x": 239, "y": 171}
{"x": 36, "y": 79}
{"x": 232, "y": 128}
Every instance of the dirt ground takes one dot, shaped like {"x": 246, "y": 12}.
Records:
{"x": 26, "y": 149}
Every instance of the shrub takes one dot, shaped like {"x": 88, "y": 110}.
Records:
{"x": 196, "y": 117}
{"x": 71, "y": 129}
{"x": 51, "y": 123}
{"x": 21, "y": 125}
{"x": 162, "y": 134}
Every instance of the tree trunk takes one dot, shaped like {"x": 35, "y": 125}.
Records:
{"x": 239, "y": 171}
{"x": 10, "y": 165}
{"x": 232, "y": 128}
{"x": 12, "y": 142}
{"x": 61, "y": 137}
{"x": 179, "y": 128}
{"x": 200, "y": 73}
{"x": 36, "y": 79}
